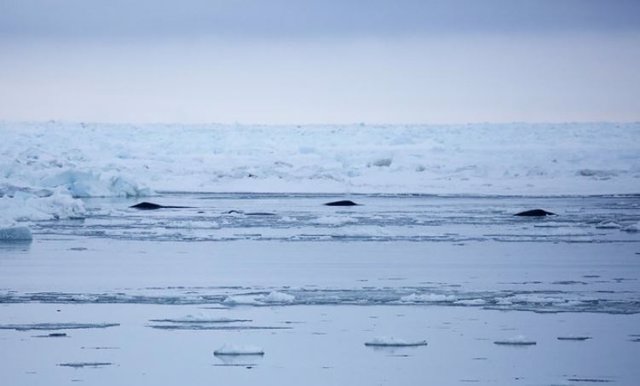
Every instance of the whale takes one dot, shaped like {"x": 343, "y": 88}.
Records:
{"x": 535, "y": 213}
{"x": 151, "y": 206}
{"x": 341, "y": 203}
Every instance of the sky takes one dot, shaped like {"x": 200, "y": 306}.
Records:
{"x": 331, "y": 61}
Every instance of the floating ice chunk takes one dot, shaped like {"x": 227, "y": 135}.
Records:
{"x": 574, "y": 338}
{"x": 232, "y": 349}
{"x": 589, "y": 380}
{"x": 394, "y": 342}
{"x": 199, "y": 319}
{"x": 519, "y": 340}
{"x": 78, "y": 365}
{"x": 16, "y": 233}
{"x": 53, "y": 335}
{"x": 608, "y": 225}
{"x": 427, "y": 298}
{"x": 277, "y": 297}
{"x": 632, "y": 228}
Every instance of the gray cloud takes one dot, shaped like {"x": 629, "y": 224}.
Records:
{"x": 327, "y": 18}
{"x": 286, "y": 61}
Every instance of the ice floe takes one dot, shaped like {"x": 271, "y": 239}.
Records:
{"x": 234, "y": 349}
{"x": 573, "y": 299}
{"x": 519, "y": 340}
{"x": 56, "y": 326}
{"x": 194, "y": 319}
{"x": 78, "y": 365}
{"x": 271, "y": 298}
{"x": 574, "y": 338}
{"x": 427, "y": 298}
{"x": 394, "y": 342}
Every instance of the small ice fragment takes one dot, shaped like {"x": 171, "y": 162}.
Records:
{"x": 519, "y": 340}
{"x": 231, "y": 349}
{"x": 394, "y": 342}
{"x": 574, "y": 338}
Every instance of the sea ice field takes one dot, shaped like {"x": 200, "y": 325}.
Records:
{"x": 431, "y": 279}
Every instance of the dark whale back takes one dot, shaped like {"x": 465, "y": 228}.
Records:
{"x": 146, "y": 206}
{"x": 534, "y": 213}
{"x": 151, "y": 206}
{"x": 341, "y": 203}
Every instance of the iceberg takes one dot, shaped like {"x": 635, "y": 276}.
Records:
{"x": 16, "y": 233}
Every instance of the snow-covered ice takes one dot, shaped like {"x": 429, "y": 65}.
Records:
{"x": 101, "y": 160}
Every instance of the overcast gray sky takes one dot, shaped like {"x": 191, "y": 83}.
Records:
{"x": 286, "y": 61}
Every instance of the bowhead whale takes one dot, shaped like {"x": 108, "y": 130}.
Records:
{"x": 341, "y": 203}
{"x": 535, "y": 213}
{"x": 151, "y": 206}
